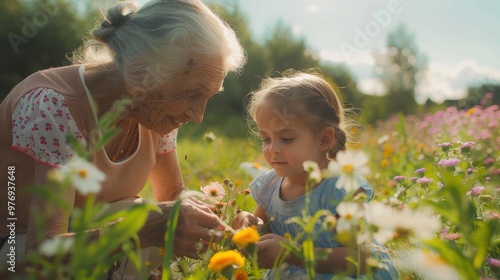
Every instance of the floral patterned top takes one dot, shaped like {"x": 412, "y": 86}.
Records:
{"x": 41, "y": 123}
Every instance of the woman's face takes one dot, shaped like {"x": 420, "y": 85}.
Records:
{"x": 183, "y": 99}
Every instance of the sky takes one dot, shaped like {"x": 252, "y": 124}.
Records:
{"x": 460, "y": 38}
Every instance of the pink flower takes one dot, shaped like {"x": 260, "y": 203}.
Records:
{"x": 448, "y": 162}
{"x": 493, "y": 262}
{"x": 214, "y": 190}
{"x": 475, "y": 191}
{"x": 399, "y": 178}
{"x": 489, "y": 161}
{"x": 420, "y": 171}
{"x": 424, "y": 181}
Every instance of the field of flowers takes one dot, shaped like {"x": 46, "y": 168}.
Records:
{"x": 436, "y": 208}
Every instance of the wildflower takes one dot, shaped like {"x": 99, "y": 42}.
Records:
{"x": 493, "y": 262}
{"x": 350, "y": 213}
{"x": 56, "y": 245}
{"x": 240, "y": 274}
{"x": 446, "y": 235}
{"x": 385, "y": 162}
{"x": 346, "y": 165}
{"x": 420, "y": 172}
{"x": 465, "y": 147}
{"x": 475, "y": 191}
{"x": 469, "y": 170}
{"x": 399, "y": 178}
{"x": 330, "y": 222}
{"x": 220, "y": 260}
{"x": 401, "y": 223}
{"x": 312, "y": 168}
{"x": 445, "y": 146}
{"x": 429, "y": 264}
{"x": 209, "y": 137}
{"x": 413, "y": 179}
{"x": 253, "y": 169}
{"x": 83, "y": 175}
{"x": 489, "y": 161}
{"x": 471, "y": 111}
{"x": 424, "y": 181}
{"x": 246, "y": 236}
{"x": 214, "y": 190}
{"x": 448, "y": 162}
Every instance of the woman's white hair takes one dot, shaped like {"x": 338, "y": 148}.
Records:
{"x": 152, "y": 43}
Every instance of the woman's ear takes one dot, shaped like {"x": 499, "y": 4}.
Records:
{"x": 327, "y": 138}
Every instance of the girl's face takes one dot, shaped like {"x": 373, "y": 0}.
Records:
{"x": 182, "y": 100}
{"x": 288, "y": 140}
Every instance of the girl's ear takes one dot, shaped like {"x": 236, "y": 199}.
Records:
{"x": 327, "y": 138}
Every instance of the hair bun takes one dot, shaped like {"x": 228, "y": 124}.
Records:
{"x": 116, "y": 16}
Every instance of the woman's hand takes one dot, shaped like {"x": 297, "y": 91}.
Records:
{"x": 197, "y": 227}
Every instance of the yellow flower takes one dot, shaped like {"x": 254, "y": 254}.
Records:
{"x": 246, "y": 236}
{"x": 240, "y": 274}
{"x": 223, "y": 259}
{"x": 384, "y": 162}
{"x": 471, "y": 111}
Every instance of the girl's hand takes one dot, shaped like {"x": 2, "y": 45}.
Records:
{"x": 269, "y": 248}
{"x": 245, "y": 219}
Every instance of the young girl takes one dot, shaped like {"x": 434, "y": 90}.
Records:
{"x": 299, "y": 118}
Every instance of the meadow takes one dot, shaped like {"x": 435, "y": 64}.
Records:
{"x": 436, "y": 207}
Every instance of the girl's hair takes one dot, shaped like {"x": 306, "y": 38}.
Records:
{"x": 152, "y": 43}
{"x": 306, "y": 95}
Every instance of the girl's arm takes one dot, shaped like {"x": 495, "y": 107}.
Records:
{"x": 269, "y": 248}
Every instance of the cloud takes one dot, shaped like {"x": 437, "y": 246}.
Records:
{"x": 371, "y": 86}
{"x": 443, "y": 82}
{"x": 351, "y": 58}
{"x": 312, "y": 8}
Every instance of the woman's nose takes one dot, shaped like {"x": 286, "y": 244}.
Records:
{"x": 197, "y": 111}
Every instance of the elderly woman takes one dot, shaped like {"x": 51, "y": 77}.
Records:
{"x": 168, "y": 57}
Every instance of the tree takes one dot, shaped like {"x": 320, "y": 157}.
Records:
{"x": 37, "y": 35}
{"x": 399, "y": 70}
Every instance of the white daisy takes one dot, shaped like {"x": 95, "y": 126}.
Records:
{"x": 347, "y": 164}
{"x": 83, "y": 175}
{"x": 312, "y": 168}
{"x": 56, "y": 245}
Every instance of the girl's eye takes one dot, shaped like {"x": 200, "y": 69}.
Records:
{"x": 265, "y": 140}
{"x": 287, "y": 140}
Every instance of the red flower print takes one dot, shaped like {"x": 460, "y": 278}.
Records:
{"x": 55, "y": 100}
{"x": 59, "y": 113}
{"x": 35, "y": 127}
{"x": 78, "y": 135}
{"x": 43, "y": 140}
{"x": 45, "y": 99}
{"x": 63, "y": 103}
{"x": 61, "y": 128}
{"x": 68, "y": 116}
{"x": 43, "y": 115}
{"x": 56, "y": 142}
{"x": 48, "y": 127}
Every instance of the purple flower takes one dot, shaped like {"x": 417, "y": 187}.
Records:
{"x": 465, "y": 147}
{"x": 469, "y": 170}
{"x": 420, "y": 171}
{"x": 413, "y": 179}
{"x": 424, "y": 181}
{"x": 493, "y": 262}
{"x": 399, "y": 178}
{"x": 448, "y": 162}
{"x": 489, "y": 161}
{"x": 496, "y": 172}
{"x": 475, "y": 191}
{"x": 445, "y": 146}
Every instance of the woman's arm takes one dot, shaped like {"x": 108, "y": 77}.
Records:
{"x": 165, "y": 177}
{"x": 55, "y": 218}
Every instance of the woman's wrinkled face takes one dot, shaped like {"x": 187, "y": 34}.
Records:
{"x": 182, "y": 99}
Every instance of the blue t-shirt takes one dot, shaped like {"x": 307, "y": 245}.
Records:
{"x": 265, "y": 190}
